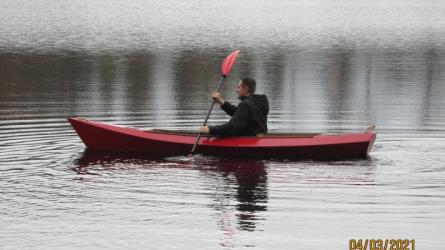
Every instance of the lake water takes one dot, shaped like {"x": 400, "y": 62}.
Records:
{"x": 327, "y": 66}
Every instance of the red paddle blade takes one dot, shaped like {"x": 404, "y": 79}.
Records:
{"x": 228, "y": 63}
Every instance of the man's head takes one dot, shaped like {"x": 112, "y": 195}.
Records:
{"x": 246, "y": 87}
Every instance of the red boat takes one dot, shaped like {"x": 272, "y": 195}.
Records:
{"x": 109, "y": 137}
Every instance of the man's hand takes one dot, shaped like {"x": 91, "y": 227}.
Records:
{"x": 216, "y": 97}
{"x": 203, "y": 130}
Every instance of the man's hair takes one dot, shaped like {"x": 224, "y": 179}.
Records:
{"x": 250, "y": 83}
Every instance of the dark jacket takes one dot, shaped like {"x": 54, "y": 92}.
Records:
{"x": 248, "y": 119}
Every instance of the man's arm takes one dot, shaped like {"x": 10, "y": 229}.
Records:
{"x": 237, "y": 123}
{"x": 228, "y": 108}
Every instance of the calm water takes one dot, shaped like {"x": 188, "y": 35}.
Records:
{"x": 331, "y": 67}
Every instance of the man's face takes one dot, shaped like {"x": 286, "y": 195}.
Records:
{"x": 241, "y": 89}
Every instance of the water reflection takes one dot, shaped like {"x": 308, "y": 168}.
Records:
{"x": 246, "y": 182}
{"x": 331, "y": 90}
{"x": 236, "y": 180}
{"x": 91, "y": 162}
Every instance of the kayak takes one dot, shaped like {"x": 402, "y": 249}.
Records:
{"x": 156, "y": 142}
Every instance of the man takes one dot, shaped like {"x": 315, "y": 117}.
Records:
{"x": 248, "y": 119}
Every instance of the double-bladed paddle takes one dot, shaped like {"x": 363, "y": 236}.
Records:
{"x": 225, "y": 69}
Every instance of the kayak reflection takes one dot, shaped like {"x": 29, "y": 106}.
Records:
{"x": 92, "y": 161}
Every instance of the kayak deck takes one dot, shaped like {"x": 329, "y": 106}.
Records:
{"x": 191, "y": 133}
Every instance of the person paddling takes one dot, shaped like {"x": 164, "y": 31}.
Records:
{"x": 249, "y": 118}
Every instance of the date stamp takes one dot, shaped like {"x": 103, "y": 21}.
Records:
{"x": 382, "y": 244}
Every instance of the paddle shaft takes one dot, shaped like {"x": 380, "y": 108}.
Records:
{"x": 208, "y": 115}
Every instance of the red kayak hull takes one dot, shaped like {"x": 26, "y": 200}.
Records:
{"x": 109, "y": 137}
